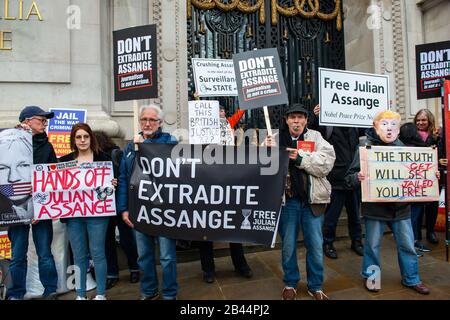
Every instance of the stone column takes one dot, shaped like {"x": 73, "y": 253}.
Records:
{"x": 170, "y": 16}
{"x": 62, "y": 61}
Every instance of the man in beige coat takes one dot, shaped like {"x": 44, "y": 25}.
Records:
{"x": 307, "y": 193}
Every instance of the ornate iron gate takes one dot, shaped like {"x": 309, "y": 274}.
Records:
{"x": 307, "y": 33}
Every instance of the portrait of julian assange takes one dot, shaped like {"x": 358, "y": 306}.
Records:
{"x": 16, "y": 164}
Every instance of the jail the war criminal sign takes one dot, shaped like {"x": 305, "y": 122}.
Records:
{"x": 399, "y": 174}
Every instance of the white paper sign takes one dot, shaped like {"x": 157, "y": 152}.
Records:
{"x": 214, "y": 77}
{"x": 72, "y": 189}
{"x": 204, "y": 126}
{"x": 351, "y": 99}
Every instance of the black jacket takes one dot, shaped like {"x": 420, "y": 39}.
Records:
{"x": 345, "y": 141}
{"x": 43, "y": 150}
{"x": 386, "y": 211}
{"x": 97, "y": 157}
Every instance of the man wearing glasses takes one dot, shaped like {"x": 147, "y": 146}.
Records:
{"x": 150, "y": 120}
{"x": 35, "y": 119}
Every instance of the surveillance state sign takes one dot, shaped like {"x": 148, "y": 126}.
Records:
{"x": 60, "y": 126}
{"x": 135, "y": 63}
{"x": 214, "y": 77}
{"x": 259, "y": 79}
{"x": 399, "y": 174}
{"x": 72, "y": 189}
{"x": 432, "y": 65}
{"x": 351, "y": 99}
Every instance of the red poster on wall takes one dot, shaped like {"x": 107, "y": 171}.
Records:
{"x": 447, "y": 147}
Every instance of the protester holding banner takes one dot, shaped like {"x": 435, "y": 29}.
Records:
{"x": 87, "y": 234}
{"x": 206, "y": 247}
{"x": 35, "y": 119}
{"x": 307, "y": 193}
{"x": 345, "y": 140}
{"x": 150, "y": 120}
{"x": 127, "y": 241}
{"x": 377, "y": 214}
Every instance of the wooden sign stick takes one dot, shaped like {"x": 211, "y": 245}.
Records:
{"x": 135, "y": 121}
{"x": 266, "y": 117}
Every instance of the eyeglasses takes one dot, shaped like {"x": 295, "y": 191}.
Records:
{"x": 43, "y": 121}
{"x": 151, "y": 120}
{"x": 80, "y": 137}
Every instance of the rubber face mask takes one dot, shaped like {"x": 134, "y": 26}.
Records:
{"x": 387, "y": 129}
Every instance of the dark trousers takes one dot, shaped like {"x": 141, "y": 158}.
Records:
{"x": 339, "y": 198}
{"x": 127, "y": 242}
{"x": 207, "y": 256}
{"x": 430, "y": 209}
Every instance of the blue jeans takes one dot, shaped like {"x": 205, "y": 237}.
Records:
{"x": 42, "y": 238}
{"x": 404, "y": 238}
{"x": 87, "y": 236}
{"x": 147, "y": 263}
{"x": 339, "y": 198}
{"x": 296, "y": 216}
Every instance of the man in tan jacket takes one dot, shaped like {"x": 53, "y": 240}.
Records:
{"x": 307, "y": 194}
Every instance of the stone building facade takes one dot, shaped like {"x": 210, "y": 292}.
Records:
{"x": 59, "y": 53}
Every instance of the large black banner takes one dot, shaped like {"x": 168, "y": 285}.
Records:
{"x": 135, "y": 63}
{"x": 432, "y": 65}
{"x": 199, "y": 192}
{"x": 259, "y": 79}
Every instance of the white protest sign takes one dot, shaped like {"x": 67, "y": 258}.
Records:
{"x": 204, "y": 126}
{"x": 399, "y": 174}
{"x": 214, "y": 77}
{"x": 351, "y": 99}
{"x": 72, "y": 189}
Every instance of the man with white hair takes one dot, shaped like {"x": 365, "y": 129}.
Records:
{"x": 150, "y": 120}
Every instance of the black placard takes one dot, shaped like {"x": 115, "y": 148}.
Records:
{"x": 135, "y": 63}
{"x": 432, "y": 65}
{"x": 259, "y": 79}
{"x": 188, "y": 197}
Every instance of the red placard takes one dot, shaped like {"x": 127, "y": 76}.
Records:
{"x": 447, "y": 145}
{"x": 307, "y": 146}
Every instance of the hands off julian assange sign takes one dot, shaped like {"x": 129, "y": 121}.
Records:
{"x": 399, "y": 174}
{"x": 72, "y": 189}
{"x": 351, "y": 99}
{"x": 259, "y": 79}
{"x": 135, "y": 64}
{"x": 214, "y": 77}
